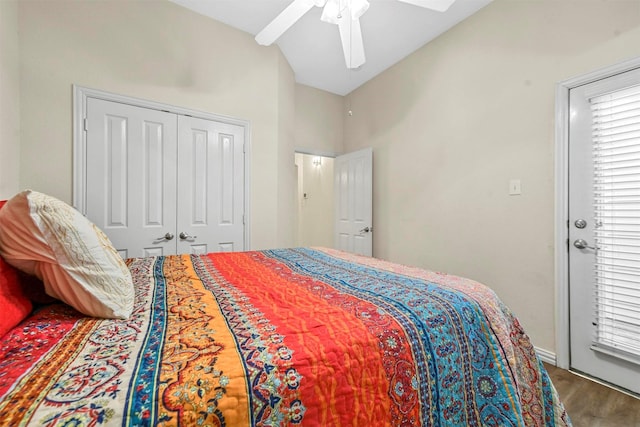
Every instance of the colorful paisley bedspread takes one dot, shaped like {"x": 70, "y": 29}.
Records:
{"x": 310, "y": 337}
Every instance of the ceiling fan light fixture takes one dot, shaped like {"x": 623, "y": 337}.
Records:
{"x": 330, "y": 12}
{"x": 357, "y": 8}
{"x": 334, "y": 10}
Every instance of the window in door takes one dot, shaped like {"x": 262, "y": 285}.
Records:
{"x": 604, "y": 229}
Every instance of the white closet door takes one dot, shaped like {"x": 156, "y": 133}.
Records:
{"x": 131, "y": 176}
{"x": 210, "y": 192}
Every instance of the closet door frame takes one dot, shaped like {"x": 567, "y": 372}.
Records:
{"x": 80, "y": 96}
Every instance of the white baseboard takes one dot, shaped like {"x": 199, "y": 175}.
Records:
{"x": 546, "y": 356}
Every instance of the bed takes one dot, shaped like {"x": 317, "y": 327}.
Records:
{"x": 283, "y": 337}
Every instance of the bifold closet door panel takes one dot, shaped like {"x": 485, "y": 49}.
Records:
{"x": 131, "y": 176}
{"x": 210, "y": 196}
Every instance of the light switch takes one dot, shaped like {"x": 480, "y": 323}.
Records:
{"x": 514, "y": 187}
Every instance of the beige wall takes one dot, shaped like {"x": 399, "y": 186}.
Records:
{"x": 319, "y": 121}
{"x": 319, "y": 129}
{"x": 454, "y": 122}
{"x": 160, "y": 52}
{"x": 9, "y": 100}
{"x": 286, "y": 156}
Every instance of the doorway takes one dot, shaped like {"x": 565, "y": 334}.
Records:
{"x": 315, "y": 200}
{"x": 335, "y": 201}
{"x": 598, "y": 231}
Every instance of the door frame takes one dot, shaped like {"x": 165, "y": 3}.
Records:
{"x": 80, "y": 95}
{"x": 562, "y": 116}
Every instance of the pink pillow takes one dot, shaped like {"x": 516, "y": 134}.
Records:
{"x": 49, "y": 239}
{"x": 31, "y": 286}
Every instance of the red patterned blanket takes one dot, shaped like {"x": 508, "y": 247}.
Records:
{"x": 281, "y": 337}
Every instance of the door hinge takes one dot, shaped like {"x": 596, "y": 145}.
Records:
{"x": 243, "y": 220}
{"x": 85, "y": 124}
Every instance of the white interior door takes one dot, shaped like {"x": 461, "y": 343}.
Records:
{"x": 604, "y": 229}
{"x": 353, "y": 178}
{"x": 125, "y": 145}
{"x": 210, "y": 186}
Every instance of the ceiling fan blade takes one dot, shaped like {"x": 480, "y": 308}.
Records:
{"x": 352, "y": 45}
{"x": 437, "y": 5}
{"x": 284, "y": 21}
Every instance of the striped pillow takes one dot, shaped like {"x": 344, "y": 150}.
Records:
{"x": 46, "y": 237}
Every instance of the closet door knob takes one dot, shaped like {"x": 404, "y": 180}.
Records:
{"x": 167, "y": 236}
{"x": 185, "y": 236}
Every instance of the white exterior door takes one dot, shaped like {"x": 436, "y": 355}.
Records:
{"x": 160, "y": 183}
{"x": 210, "y": 186}
{"x": 353, "y": 178}
{"x": 131, "y": 176}
{"x": 604, "y": 229}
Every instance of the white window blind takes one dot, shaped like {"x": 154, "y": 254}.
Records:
{"x": 616, "y": 144}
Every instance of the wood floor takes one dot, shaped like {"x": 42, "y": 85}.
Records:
{"x": 590, "y": 404}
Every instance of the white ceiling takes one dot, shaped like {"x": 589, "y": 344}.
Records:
{"x": 391, "y": 31}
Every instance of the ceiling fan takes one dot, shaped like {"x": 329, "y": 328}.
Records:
{"x": 343, "y": 13}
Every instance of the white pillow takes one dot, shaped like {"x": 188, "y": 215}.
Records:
{"x": 46, "y": 237}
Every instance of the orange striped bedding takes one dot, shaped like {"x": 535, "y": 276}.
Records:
{"x": 310, "y": 337}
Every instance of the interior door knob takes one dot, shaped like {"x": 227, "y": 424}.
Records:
{"x": 185, "y": 236}
{"x": 167, "y": 236}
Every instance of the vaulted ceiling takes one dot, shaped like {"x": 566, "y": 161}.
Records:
{"x": 391, "y": 31}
